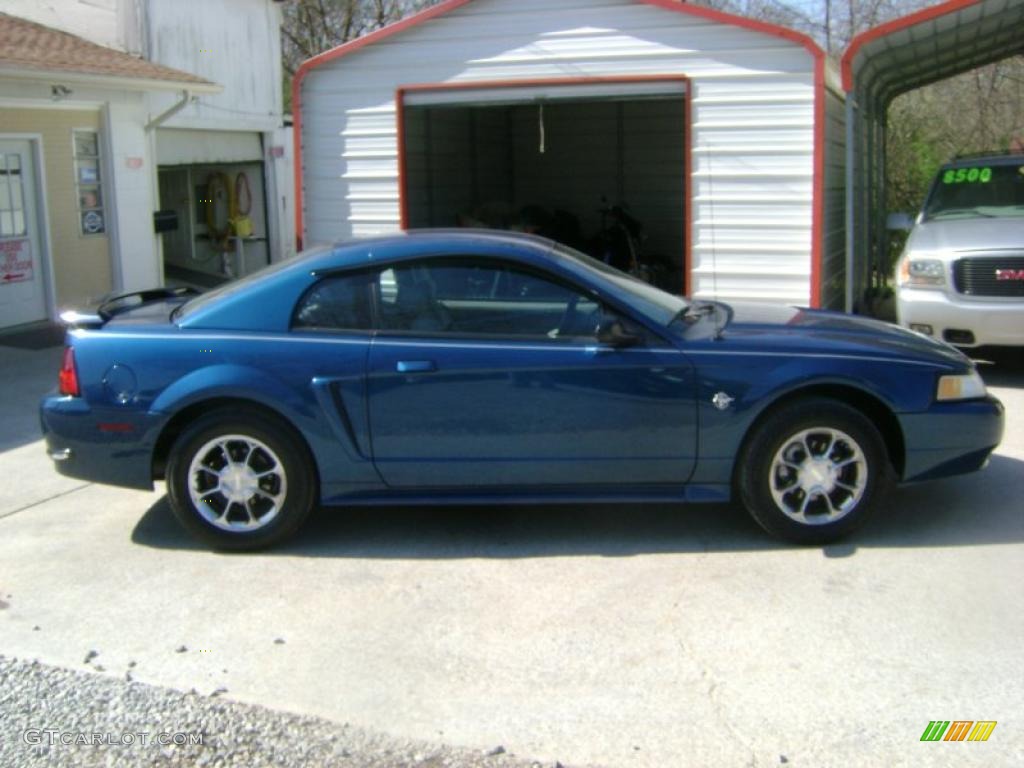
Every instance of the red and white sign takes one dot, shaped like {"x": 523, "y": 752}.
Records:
{"x": 15, "y": 261}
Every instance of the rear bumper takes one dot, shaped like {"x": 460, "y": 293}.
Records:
{"x": 991, "y": 321}
{"x": 951, "y": 438}
{"x": 111, "y": 447}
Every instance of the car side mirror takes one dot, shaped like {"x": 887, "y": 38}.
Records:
{"x": 613, "y": 333}
{"x": 899, "y": 222}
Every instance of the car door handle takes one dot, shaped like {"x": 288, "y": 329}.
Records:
{"x": 416, "y": 366}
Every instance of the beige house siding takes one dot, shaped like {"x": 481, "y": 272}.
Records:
{"x": 81, "y": 263}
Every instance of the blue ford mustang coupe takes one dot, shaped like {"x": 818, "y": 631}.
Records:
{"x": 475, "y": 367}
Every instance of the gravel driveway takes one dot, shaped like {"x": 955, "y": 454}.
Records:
{"x": 47, "y": 712}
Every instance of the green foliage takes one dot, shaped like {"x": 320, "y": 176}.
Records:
{"x": 978, "y": 111}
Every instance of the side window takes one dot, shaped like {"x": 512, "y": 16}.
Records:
{"x": 339, "y": 303}
{"x": 467, "y": 297}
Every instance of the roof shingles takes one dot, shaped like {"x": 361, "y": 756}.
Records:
{"x": 27, "y": 45}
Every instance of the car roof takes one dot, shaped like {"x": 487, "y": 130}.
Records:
{"x": 352, "y": 252}
{"x": 254, "y": 301}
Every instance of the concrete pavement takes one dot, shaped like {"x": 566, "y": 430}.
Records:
{"x": 619, "y": 635}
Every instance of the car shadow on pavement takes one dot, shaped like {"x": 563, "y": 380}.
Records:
{"x": 25, "y": 376}
{"x": 972, "y": 510}
{"x": 500, "y": 531}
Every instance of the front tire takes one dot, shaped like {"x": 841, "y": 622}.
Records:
{"x": 238, "y": 480}
{"x": 813, "y": 471}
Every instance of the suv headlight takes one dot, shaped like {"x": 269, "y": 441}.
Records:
{"x": 964, "y": 386}
{"x": 922, "y": 272}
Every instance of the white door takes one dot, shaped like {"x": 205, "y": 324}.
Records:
{"x": 22, "y": 282}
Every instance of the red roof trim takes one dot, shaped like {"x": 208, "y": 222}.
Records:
{"x": 384, "y": 32}
{"x": 926, "y": 14}
{"x": 450, "y": 5}
{"x": 722, "y": 17}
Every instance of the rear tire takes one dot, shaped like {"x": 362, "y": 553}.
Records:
{"x": 813, "y": 471}
{"x": 238, "y": 480}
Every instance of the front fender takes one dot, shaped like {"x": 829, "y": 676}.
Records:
{"x": 756, "y": 384}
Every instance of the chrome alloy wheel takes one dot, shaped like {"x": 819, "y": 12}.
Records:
{"x": 237, "y": 483}
{"x": 818, "y": 476}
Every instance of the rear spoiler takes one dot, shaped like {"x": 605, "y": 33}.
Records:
{"x": 111, "y": 305}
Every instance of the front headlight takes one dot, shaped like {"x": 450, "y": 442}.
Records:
{"x": 962, "y": 387}
{"x": 922, "y": 272}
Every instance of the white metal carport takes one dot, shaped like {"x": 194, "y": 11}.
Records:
{"x": 753, "y": 115}
{"x": 887, "y": 61}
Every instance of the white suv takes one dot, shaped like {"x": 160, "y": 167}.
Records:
{"x": 961, "y": 275}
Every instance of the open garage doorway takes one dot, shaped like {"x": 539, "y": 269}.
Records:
{"x": 601, "y": 166}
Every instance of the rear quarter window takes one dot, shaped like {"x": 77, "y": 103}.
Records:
{"x": 338, "y": 303}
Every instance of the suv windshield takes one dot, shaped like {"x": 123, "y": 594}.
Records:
{"x": 977, "y": 190}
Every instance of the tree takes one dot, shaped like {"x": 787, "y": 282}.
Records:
{"x": 832, "y": 23}
{"x": 978, "y": 111}
{"x": 310, "y": 27}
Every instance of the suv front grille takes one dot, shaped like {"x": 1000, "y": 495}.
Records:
{"x": 978, "y": 276}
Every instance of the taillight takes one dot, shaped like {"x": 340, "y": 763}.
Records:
{"x": 68, "y": 374}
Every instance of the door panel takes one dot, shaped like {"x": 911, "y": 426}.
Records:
{"x": 22, "y": 281}
{"x": 333, "y": 321}
{"x": 490, "y": 413}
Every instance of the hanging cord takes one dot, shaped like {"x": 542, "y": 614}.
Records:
{"x": 543, "y": 132}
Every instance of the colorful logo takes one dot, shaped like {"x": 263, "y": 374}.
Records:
{"x": 958, "y": 730}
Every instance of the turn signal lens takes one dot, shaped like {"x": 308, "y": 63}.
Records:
{"x": 68, "y": 378}
{"x": 964, "y": 387}
{"x": 922, "y": 272}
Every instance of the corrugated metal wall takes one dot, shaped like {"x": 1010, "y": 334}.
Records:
{"x": 752, "y": 120}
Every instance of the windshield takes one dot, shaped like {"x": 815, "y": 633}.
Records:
{"x": 657, "y": 304}
{"x": 980, "y": 190}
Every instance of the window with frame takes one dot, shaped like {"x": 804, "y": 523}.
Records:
{"x": 336, "y": 303}
{"x": 12, "y": 196}
{"x": 88, "y": 186}
{"x": 479, "y": 297}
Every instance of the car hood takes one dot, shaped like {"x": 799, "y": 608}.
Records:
{"x": 783, "y": 328}
{"x": 973, "y": 234}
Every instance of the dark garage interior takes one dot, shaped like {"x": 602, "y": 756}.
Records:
{"x": 605, "y": 175}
